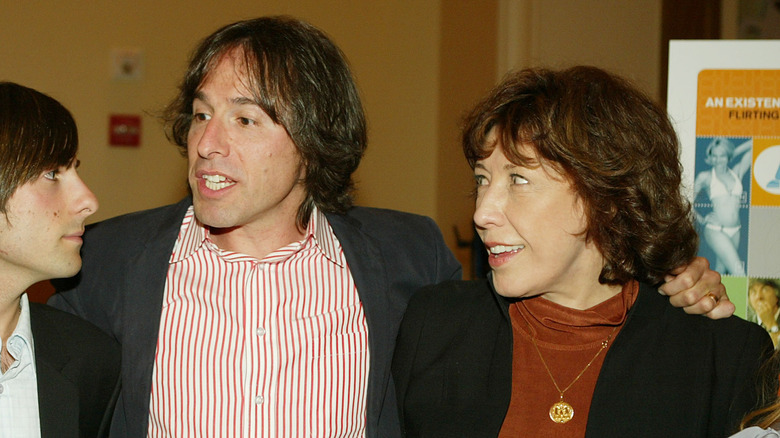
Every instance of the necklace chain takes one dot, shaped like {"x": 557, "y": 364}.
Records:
{"x": 604, "y": 345}
{"x": 562, "y": 412}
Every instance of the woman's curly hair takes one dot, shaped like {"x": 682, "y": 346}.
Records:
{"x": 617, "y": 149}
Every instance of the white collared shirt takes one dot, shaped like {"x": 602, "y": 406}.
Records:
{"x": 18, "y": 385}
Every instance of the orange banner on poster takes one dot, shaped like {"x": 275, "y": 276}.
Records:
{"x": 738, "y": 103}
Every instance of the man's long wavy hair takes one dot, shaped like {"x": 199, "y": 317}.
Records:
{"x": 303, "y": 82}
{"x": 617, "y": 149}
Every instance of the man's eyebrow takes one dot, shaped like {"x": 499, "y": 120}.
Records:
{"x": 199, "y": 96}
{"x": 239, "y": 100}
{"x": 242, "y": 100}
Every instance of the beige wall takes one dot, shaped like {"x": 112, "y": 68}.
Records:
{"x": 63, "y": 48}
{"x": 467, "y": 70}
{"x": 621, "y": 36}
{"x": 419, "y": 64}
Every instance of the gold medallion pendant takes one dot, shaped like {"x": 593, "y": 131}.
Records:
{"x": 561, "y": 412}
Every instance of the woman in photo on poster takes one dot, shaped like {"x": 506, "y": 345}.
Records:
{"x": 722, "y": 227}
{"x": 764, "y": 306}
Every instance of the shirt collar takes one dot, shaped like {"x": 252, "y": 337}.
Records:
{"x": 22, "y": 332}
{"x": 193, "y": 235}
{"x": 324, "y": 238}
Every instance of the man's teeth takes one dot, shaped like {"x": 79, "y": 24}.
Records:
{"x": 217, "y": 182}
{"x": 500, "y": 249}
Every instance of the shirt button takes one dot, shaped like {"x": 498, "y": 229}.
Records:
{"x": 259, "y": 400}
{"x": 260, "y": 331}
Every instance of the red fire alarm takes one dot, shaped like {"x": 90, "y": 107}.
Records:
{"x": 124, "y": 130}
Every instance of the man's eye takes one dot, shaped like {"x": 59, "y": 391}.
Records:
{"x": 51, "y": 175}
{"x": 200, "y": 117}
{"x": 246, "y": 121}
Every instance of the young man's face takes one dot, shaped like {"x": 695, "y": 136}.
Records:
{"x": 40, "y": 234}
{"x": 244, "y": 170}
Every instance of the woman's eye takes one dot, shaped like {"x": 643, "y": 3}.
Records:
{"x": 51, "y": 175}
{"x": 200, "y": 117}
{"x": 517, "y": 179}
{"x": 246, "y": 121}
{"x": 480, "y": 180}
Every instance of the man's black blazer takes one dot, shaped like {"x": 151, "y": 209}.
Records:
{"x": 667, "y": 374}
{"x": 120, "y": 289}
{"x": 78, "y": 370}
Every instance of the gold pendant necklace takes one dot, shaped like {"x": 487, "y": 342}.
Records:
{"x": 560, "y": 411}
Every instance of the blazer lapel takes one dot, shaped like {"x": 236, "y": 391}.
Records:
{"x": 58, "y": 413}
{"x": 143, "y": 288}
{"x": 366, "y": 264}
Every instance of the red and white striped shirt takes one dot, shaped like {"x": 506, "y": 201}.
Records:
{"x": 276, "y": 347}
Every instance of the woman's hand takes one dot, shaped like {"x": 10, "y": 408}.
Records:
{"x": 698, "y": 290}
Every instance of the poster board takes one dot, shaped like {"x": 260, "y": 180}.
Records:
{"x": 724, "y": 100}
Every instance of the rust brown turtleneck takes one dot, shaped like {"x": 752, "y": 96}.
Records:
{"x": 568, "y": 339}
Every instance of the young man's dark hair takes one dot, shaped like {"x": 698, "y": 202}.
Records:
{"x": 36, "y": 133}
